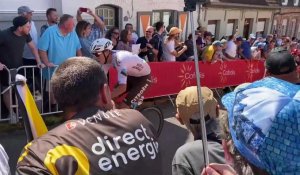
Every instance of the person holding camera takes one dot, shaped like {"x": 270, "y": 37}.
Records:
{"x": 146, "y": 47}
{"x": 169, "y": 51}
{"x": 98, "y": 28}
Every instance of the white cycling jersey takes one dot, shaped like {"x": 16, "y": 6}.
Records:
{"x": 129, "y": 64}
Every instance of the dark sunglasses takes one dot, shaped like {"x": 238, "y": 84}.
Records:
{"x": 117, "y": 33}
{"x": 148, "y": 31}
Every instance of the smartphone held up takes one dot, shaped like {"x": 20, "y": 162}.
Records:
{"x": 82, "y": 9}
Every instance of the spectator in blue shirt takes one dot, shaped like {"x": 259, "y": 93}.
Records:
{"x": 245, "y": 48}
{"x": 98, "y": 28}
{"x": 59, "y": 42}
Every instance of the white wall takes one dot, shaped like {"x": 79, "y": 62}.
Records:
{"x": 8, "y": 10}
{"x": 11, "y": 6}
{"x": 70, "y": 7}
{"x": 223, "y": 15}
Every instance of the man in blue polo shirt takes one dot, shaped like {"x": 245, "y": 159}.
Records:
{"x": 245, "y": 48}
{"x": 59, "y": 42}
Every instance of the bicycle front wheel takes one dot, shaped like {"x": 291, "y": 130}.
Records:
{"x": 155, "y": 116}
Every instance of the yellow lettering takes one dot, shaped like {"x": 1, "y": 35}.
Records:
{"x": 24, "y": 154}
{"x": 64, "y": 150}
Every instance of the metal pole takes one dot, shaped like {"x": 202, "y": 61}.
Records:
{"x": 203, "y": 128}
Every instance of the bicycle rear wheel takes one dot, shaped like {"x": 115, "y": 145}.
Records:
{"x": 155, "y": 116}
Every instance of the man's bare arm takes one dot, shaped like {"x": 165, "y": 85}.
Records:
{"x": 44, "y": 58}
{"x": 35, "y": 52}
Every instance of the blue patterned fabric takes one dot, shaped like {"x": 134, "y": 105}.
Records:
{"x": 96, "y": 33}
{"x": 264, "y": 122}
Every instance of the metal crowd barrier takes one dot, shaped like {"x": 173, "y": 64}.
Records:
{"x": 4, "y": 90}
{"x": 39, "y": 87}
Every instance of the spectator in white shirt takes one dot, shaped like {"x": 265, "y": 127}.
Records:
{"x": 231, "y": 48}
{"x": 232, "y": 45}
{"x": 169, "y": 52}
{"x": 30, "y": 58}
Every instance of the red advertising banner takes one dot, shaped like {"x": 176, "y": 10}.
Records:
{"x": 171, "y": 77}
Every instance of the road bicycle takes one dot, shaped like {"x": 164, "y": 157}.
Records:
{"x": 153, "y": 113}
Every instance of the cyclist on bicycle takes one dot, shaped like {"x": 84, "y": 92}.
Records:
{"x": 133, "y": 72}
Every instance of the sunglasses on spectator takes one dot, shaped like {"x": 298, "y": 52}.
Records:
{"x": 117, "y": 33}
{"x": 148, "y": 31}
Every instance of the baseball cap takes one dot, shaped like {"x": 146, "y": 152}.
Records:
{"x": 264, "y": 120}
{"x": 206, "y": 33}
{"x": 187, "y": 104}
{"x": 239, "y": 38}
{"x": 19, "y": 21}
{"x": 252, "y": 36}
{"x": 280, "y": 61}
{"x": 174, "y": 31}
{"x": 223, "y": 41}
{"x": 217, "y": 43}
{"x": 24, "y": 9}
{"x": 261, "y": 45}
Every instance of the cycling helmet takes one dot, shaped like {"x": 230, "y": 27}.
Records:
{"x": 101, "y": 44}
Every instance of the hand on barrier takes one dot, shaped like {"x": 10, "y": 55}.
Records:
{"x": 2, "y": 66}
{"x": 217, "y": 60}
{"x": 50, "y": 65}
{"x": 41, "y": 65}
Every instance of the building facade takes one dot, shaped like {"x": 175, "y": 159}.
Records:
{"x": 226, "y": 17}
{"x": 221, "y": 17}
{"x": 115, "y": 12}
{"x": 287, "y": 20}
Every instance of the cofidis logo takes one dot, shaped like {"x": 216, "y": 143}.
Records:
{"x": 224, "y": 72}
{"x": 188, "y": 75}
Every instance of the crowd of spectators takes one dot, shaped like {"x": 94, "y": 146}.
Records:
{"x": 255, "y": 135}
{"x": 159, "y": 43}
{"x": 20, "y": 45}
{"x": 60, "y": 38}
